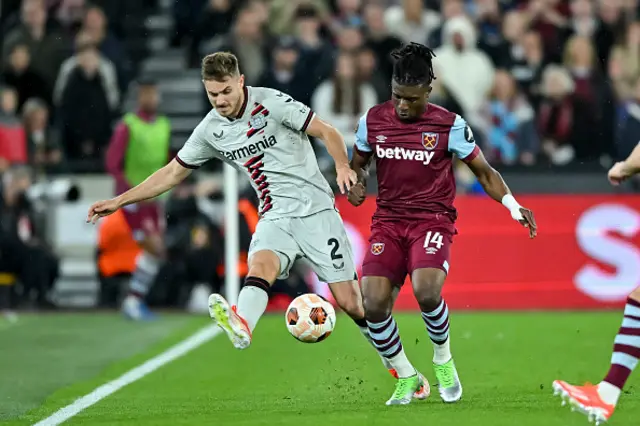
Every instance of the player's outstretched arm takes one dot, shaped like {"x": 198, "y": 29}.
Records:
{"x": 495, "y": 186}
{"x": 334, "y": 142}
{"x": 623, "y": 170}
{"x": 156, "y": 184}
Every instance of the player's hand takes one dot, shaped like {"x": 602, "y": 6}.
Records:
{"x": 357, "y": 194}
{"x": 346, "y": 178}
{"x": 528, "y": 221}
{"x": 101, "y": 209}
{"x": 618, "y": 173}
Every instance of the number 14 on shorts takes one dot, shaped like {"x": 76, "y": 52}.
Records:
{"x": 433, "y": 242}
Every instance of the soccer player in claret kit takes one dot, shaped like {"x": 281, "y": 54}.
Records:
{"x": 263, "y": 133}
{"x": 139, "y": 147}
{"x": 414, "y": 143}
{"x": 599, "y": 401}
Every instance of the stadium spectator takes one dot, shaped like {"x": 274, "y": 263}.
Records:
{"x": 411, "y": 21}
{"x": 629, "y": 129}
{"x": 282, "y": 13}
{"x": 24, "y": 251}
{"x": 369, "y": 68}
{"x": 509, "y": 124}
{"x": 246, "y": 41}
{"x": 548, "y": 18}
{"x": 489, "y": 18}
{"x": 43, "y": 143}
{"x": 216, "y": 20}
{"x": 12, "y": 138}
{"x": 449, "y": 9}
{"x": 47, "y": 47}
{"x": 347, "y": 14}
{"x": 344, "y": 98}
{"x": 7, "y": 11}
{"x": 379, "y": 38}
{"x": 316, "y": 54}
{"x": 286, "y": 73}
{"x": 70, "y": 14}
{"x": 195, "y": 247}
{"x": 185, "y": 18}
{"x": 528, "y": 70}
{"x": 510, "y": 52}
{"x": 585, "y": 22}
{"x": 8, "y": 104}
{"x": 95, "y": 25}
{"x": 559, "y": 112}
{"x": 624, "y": 64}
{"x": 592, "y": 91}
{"x": 454, "y": 62}
{"x": 19, "y": 74}
{"x": 261, "y": 9}
{"x": 350, "y": 39}
{"x": 86, "y": 95}
{"x": 116, "y": 256}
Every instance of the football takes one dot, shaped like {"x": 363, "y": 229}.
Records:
{"x": 310, "y": 318}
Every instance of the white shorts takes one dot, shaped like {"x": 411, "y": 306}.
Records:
{"x": 320, "y": 240}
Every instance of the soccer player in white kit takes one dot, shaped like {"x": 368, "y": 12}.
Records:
{"x": 263, "y": 133}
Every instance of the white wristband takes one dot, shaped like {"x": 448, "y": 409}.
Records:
{"x": 514, "y": 208}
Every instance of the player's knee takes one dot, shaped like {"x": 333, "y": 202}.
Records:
{"x": 264, "y": 264}
{"x": 428, "y": 295}
{"x": 635, "y": 295}
{"x": 352, "y": 306}
{"x": 376, "y": 307}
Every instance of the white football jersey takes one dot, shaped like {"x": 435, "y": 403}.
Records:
{"x": 269, "y": 144}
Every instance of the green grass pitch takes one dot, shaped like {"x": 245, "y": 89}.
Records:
{"x": 506, "y": 362}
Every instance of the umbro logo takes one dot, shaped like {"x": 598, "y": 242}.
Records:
{"x": 218, "y": 135}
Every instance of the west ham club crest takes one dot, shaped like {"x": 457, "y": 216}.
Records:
{"x": 377, "y": 248}
{"x": 429, "y": 140}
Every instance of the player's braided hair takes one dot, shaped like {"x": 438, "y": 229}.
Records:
{"x": 413, "y": 65}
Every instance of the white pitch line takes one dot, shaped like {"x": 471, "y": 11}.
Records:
{"x": 98, "y": 394}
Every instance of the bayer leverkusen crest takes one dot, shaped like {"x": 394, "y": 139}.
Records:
{"x": 258, "y": 122}
{"x": 429, "y": 140}
{"x": 377, "y": 248}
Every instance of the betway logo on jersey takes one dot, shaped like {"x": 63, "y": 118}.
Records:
{"x": 252, "y": 149}
{"x": 399, "y": 153}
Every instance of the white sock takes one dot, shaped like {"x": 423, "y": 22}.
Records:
{"x": 365, "y": 333}
{"x": 402, "y": 365}
{"x": 609, "y": 393}
{"x": 441, "y": 353}
{"x": 252, "y": 302}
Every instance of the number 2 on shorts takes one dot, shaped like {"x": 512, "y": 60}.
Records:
{"x": 335, "y": 244}
{"x": 434, "y": 238}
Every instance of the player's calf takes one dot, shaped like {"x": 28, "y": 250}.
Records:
{"x": 264, "y": 266}
{"x": 349, "y": 298}
{"x": 134, "y": 306}
{"x": 427, "y": 285}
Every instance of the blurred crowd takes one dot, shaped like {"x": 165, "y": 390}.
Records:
{"x": 64, "y": 70}
{"x": 540, "y": 81}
